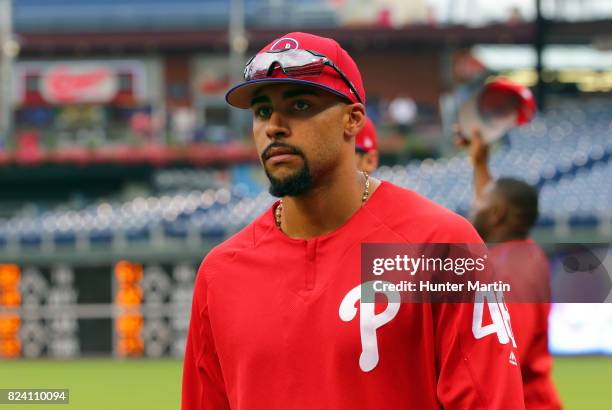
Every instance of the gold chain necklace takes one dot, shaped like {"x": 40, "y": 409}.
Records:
{"x": 364, "y": 197}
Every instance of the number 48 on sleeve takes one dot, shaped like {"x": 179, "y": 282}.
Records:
{"x": 500, "y": 318}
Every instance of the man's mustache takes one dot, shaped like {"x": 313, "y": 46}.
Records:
{"x": 265, "y": 155}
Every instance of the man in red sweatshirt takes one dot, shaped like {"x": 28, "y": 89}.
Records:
{"x": 504, "y": 212}
{"x": 277, "y": 320}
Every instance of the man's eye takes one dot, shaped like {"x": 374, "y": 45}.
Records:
{"x": 263, "y": 112}
{"x": 301, "y": 105}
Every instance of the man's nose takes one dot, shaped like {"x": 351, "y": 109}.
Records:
{"x": 277, "y": 127}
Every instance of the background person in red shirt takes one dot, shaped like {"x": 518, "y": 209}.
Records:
{"x": 504, "y": 212}
{"x": 366, "y": 147}
{"x": 277, "y": 320}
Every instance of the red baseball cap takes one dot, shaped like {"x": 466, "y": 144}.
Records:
{"x": 241, "y": 94}
{"x": 527, "y": 106}
{"x": 367, "y": 140}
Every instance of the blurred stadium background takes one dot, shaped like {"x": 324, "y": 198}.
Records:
{"x": 121, "y": 164}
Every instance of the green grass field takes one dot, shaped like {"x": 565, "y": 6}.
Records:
{"x": 583, "y": 382}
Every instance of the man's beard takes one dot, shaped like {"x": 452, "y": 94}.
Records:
{"x": 293, "y": 185}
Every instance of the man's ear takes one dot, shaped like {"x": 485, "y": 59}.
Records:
{"x": 355, "y": 120}
{"x": 499, "y": 212}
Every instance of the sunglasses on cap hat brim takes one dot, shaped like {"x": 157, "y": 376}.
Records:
{"x": 295, "y": 64}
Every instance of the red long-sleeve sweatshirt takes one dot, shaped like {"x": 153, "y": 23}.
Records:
{"x": 524, "y": 264}
{"x": 278, "y": 323}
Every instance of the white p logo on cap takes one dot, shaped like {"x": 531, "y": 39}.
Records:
{"x": 284, "y": 43}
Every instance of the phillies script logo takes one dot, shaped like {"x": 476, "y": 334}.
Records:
{"x": 284, "y": 43}
{"x": 79, "y": 84}
{"x": 369, "y": 322}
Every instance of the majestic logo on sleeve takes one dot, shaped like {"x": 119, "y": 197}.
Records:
{"x": 512, "y": 359}
{"x": 369, "y": 322}
{"x": 284, "y": 43}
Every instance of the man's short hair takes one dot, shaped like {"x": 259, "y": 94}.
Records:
{"x": 522, "y": 197}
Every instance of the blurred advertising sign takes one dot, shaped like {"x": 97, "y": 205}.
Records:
{"x": 213, "y": 82}
{"x": 65, "y": 82}
{"x": 580, "y": 328}
{"x": 79, "y": 83}
{"x": 211, "y": 77}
